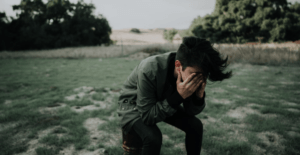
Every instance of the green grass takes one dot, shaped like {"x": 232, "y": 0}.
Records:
{"x": 50, "y": 140}
{"x": 231, "y": 120}
{"x": 32, "y": 84}
{"x": 259, "y": 123}
{"x": 113, "y": 150}
{"x": 46, "y": 151}
{"x": 98, "y": 96}
{"x": 79, "y": 102}
{"x": 110, "y": 126}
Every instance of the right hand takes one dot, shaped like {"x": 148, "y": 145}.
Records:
{"x": 189, "y": 86}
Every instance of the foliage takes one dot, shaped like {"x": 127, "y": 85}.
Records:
{"x": 169, "y": 34}
{"x": 135, "y": 30}
{"x": 154, "y": 50}
{"x": 236, "y": 21}
{"x": 184, "y": 33}
{"x": 55, "y": 24}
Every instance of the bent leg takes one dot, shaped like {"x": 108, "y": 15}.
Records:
{"x": 151, "y": 137}
{"x": 193, "y": 128}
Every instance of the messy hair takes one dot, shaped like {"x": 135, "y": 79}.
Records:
{"x": 199, "y": 52}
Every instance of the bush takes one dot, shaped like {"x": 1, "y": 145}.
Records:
{"x": 154, "y": 50}
{"x": 135, "y": 30}
{"x": 169, "y": 34}
{"x": 243, "y": 21}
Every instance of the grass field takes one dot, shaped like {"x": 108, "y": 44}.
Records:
{"x": 67, "y": 106}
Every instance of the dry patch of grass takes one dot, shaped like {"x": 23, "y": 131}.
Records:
{"x": 280, "y": 54}
{"x": 89, "y": 52}
{"x": 260, "y": 56}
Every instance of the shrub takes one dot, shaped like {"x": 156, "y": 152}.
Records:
{"x": 154, "y": 50}
{"x": 135, "y": 30}
{"x": 169, "y": 34}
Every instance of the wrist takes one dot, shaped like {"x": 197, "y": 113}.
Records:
{"x": 200, "y": 95}
{"x": 184, "y": 97}
{"x": 174, "y": 99}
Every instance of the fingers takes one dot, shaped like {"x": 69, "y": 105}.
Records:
{"x": 189, "y": 78}
{"x": 197, "y": 82}
{"x": 200, "y": 77}
{"x": 203, "y": 85}
{"x": 191, "y": 86}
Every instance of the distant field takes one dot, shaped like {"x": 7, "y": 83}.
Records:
{"x": 146, "y": 36}
{"x": 133, "y": 45}
{"x": 256, "y": 55}
{"x": 67, "y": 106}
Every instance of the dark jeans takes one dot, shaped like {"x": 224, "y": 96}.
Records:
{"x": 151, "y": 136}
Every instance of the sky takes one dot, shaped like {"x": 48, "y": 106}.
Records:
{"x": 143, "y": 14}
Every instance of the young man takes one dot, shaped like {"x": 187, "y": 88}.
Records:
{"x": 157, "y": 87}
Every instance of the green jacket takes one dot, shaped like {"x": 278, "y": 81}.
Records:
{"x": 143, "y": 95}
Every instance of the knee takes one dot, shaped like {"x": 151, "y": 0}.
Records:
{"x": 195, "y": 125}
{"x": 154, "y": 139}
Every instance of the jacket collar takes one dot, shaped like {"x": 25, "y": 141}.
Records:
{"x": 163, "y": 61}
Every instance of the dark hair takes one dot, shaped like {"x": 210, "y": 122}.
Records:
{"x": 199, "y": 52}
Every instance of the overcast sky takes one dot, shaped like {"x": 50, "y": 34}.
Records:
{"x": 143, "y": 13}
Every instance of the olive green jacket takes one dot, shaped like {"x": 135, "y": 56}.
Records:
{"x": 143, "y": 94}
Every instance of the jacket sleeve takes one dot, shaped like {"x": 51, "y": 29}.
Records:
{"x": 193, "y": 105}
{"x": 151, "y": 110}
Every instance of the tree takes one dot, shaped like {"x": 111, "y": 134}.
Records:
{"x": 3, "y": 27}
{"x": 55, "y": 24}
{"x": 241, "y": 21}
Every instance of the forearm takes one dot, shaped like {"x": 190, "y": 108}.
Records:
{"x": 194, "y": 105}
{"x": 198, "y": 100}
{"x": 174, "y": 99}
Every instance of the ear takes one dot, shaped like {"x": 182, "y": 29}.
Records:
{"x": 177, "y": 64}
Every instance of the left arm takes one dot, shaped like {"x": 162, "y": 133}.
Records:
{"x": 195, "y": 104}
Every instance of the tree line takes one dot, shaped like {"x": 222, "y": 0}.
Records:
{"x": 241, "y": 21}
{"x": 55, "y": 24}
{"x": 60, "y": 23}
